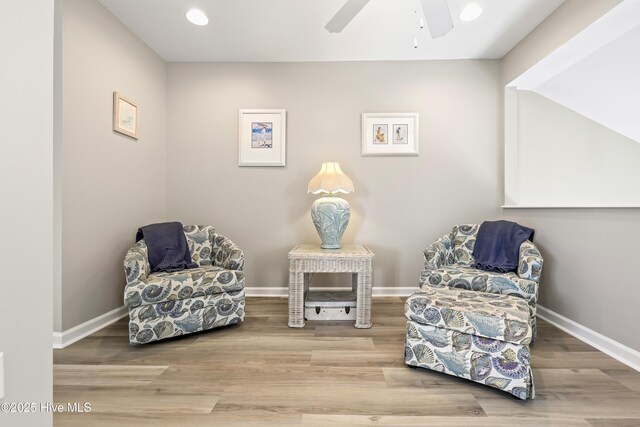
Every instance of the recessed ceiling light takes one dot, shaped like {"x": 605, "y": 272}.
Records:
{"x": 197, "y": 17}
{"x": 470, "y": 12}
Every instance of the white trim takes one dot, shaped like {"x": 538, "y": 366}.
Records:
{"x": 283, "y": 291}
{"x": 618, "y": 351}
{"x": 612, "y": 25}
{"x": 511, "y": 156}
{"x": 584, "y": 206}
{"x": 68, "y": 337}
{"x": 395, "y": 292}
{"x": 277, "y": 291}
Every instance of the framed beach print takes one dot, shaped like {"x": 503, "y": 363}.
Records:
{"x": 262, "y": 137}
{"x": 125, "y": 116}
{"x": 390, "y": 134}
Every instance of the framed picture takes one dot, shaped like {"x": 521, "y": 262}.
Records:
{"x": 262, "y": 137}
{"x": 390, "y": 134}
{"x": 380, "y": 134}
{"x": 125, "y": 116}
{"x": 400, "y": 134}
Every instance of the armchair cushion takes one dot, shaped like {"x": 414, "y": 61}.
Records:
{"x": 192, "y": 283}
{"x": 469, "y": 278}
{"x": 498, "y": 317}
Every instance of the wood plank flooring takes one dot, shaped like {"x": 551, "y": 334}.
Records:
{"x": 329, "y": 373}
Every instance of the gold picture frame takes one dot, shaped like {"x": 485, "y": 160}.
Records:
{"x": 125, "y": 116}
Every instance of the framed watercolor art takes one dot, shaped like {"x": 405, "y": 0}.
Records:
{"x": 125, "y": 116}
{"x": 390, "y": 134}
{"x": 262, "y": 137}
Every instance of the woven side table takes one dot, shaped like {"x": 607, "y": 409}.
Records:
{"x": 307, "y": 259}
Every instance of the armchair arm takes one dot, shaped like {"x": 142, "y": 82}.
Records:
{"x": 136, "y": 263}
{"x": 227, "y": 254}
{"x": 438, "y": 253}
{"x": 530, "y": 263}
{"x": 136, "y": 269}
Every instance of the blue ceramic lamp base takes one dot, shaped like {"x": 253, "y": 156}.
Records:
{"x": 330, "y": 215}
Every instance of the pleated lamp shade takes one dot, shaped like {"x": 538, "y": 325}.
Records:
{"x": 330, "y": 180}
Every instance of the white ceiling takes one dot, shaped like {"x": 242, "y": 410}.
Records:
{"x": 293, "y": 30}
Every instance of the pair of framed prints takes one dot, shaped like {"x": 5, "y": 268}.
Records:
{"x": 262, "y": 136}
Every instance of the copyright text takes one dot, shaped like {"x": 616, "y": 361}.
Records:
{"x": 25, "y": 407}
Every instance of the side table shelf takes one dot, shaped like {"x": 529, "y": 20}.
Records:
{"x": 351, "y": 258}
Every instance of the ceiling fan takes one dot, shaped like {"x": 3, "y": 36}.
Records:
{"x": 436, "y": 14}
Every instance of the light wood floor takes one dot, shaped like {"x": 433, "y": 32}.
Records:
{"x": 263, "y": 373}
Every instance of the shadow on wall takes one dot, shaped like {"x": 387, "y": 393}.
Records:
{"x": 386, "y": 274}
{"x": 547, "y": 270}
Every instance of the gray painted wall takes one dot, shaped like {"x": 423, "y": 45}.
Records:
{"x": 590, "y": 254}
{"x": 111, "y": 184}
{"x": 585, "y": 163}
{"x": 26, "y": 171}
{"x": 400, "y": 204}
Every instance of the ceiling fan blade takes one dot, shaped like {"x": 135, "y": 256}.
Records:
{"x": 345, "y": 15}
{"x": 437, "y": 16}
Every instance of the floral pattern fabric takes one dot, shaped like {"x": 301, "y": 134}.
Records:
{"x": 477, "y": 280}
{"x": 449, "y": 259}
{"x": 463, "y": 237}
{"x": 136, "y": 263}
{"x": 167, "y": 304}
{"x": 500, "y": 364}
{"x": 493, "y": 316}
{"x": 227, "y": 254}
{"x": 194, "y": 282}
{"x": 168, "y": 319}
{"x": 199, "y": 239}
{"x": 439, "y": 253}
{"x": 530, "y": 265}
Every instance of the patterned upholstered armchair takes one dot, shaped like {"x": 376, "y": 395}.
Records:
{"x": 163, "y": 305}
{"x": 449, "y": 259}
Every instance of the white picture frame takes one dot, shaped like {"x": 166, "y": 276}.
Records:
{"x": 262, "y": 137}
{"x": 125, "y": 116}
{"x": 390, "y": 134}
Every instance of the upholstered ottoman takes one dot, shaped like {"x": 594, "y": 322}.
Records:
{"x": 479, "y": 336}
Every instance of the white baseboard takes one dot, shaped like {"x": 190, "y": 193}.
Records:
{"x": 68, "y": 337}
{"x": 395, "y": 292}
{"x": 278, "y": 291}
{"x": 283, "y": 291}
{"x": 618, "y": 351}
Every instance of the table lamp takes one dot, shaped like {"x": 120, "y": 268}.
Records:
{"x": 330, "y": 214}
